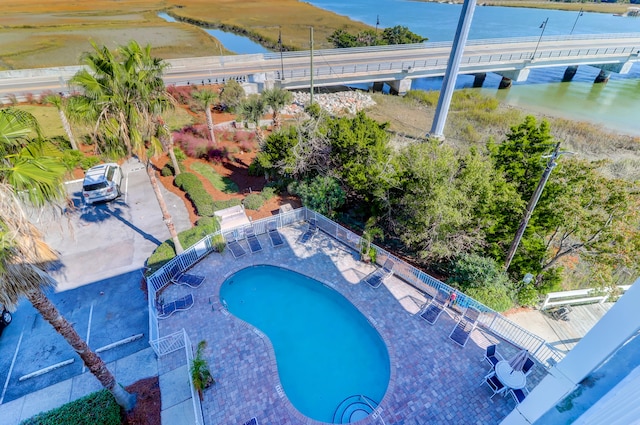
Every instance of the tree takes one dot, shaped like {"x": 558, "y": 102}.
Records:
{"x": 322, "y": 194}
{"x": 207, "y": 99}
{"x": 591, "y": 216}
{"x": 401, "y": 35}
{"x": 395, "y": 35}
{"x": 57, "y": 101}
{"x": 123, "y": 98}
{"x": 276, "y": 99}
{"x": 34, "y": 166}
{"x": 483, "y": 279}
{"x": 231, "y": 95}
{"x": 360, "y": 155}
{"x": 251, "y": 110}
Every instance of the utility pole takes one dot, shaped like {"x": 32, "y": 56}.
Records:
{"x": 281, "y": 60}
{"x": 311, "y": 56}
{"x": 551, "y": 164}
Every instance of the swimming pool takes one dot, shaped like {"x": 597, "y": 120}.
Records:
{"x": 333, "y": 365}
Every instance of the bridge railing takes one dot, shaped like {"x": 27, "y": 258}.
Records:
{"x": 441, "y": 44}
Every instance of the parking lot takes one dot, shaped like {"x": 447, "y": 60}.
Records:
{"x": 102, "y": 253}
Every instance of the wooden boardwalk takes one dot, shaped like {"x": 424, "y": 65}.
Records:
{"x": 581, "y": 319}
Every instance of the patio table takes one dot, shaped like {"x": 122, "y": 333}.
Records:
{"x": 515, "y": 379}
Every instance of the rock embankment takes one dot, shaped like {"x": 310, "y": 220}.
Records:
{"x": 348, "y": 102}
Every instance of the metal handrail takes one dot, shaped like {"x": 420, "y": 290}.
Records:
{"x": 489, "y": 319}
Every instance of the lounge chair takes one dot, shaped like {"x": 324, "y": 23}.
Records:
{"x": 252, "y": 421}
{"x": 167, "y": 309}
{"x": 310, "y": 232}
{"x": 432, "y": 311}
{"x": 274, "y": 234}
{"x": 252, "y": 239}
{"x": 492, "y": 356}
{"x": 378, "y": 276}
{"x": 181, "y": 278}
{"x": 466, "y": 324}
{"x": 236, "y": 249}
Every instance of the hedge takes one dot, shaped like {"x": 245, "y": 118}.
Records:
{"x": 192, "y": 186}
{"x": 166, "y": 251}
{"x": 99, "y": 408}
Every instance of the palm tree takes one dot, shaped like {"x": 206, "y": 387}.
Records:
{"x": 57, "y": 101}
{"x": 276, "y": 99}
{"x": 124, "y": 99}
{"x": 166, "y": 137}
{"x": 31, "y": 168}
{"x": 251, "y": 110}
{"x": 207, "y": 98}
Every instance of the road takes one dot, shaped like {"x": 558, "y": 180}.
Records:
{"x": 366, "y": 64}
{"x": 102, "y": 252}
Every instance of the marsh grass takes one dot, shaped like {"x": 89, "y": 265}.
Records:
{"x": 41, "y": 34}
{"x": 473, "y": 118}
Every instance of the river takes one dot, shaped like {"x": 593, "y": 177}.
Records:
{"x": 614, "y": 105}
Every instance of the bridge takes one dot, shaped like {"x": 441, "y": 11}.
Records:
{"x": 396, "y": 65}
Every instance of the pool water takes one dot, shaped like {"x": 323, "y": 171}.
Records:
{"x": 326, "y": 350}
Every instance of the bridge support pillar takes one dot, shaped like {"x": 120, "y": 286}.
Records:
{"x": 569, "y": 73}
{"x": 505, "y": 83}
{"x": 478, "y": 79}
{"x": 377, "y": 86}
{"x": 602, "y": 77}
{"x": 518, "y": 75}
{"x": 400, "y": 87}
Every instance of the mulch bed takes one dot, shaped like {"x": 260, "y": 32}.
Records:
{"x": 148, "y": 405}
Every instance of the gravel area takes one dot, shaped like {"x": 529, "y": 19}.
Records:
{"x": 340, "y": 102}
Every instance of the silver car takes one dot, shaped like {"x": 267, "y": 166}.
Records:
{"x": 102, "y": 183}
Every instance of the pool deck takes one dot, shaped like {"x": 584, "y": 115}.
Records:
{"x": 433, "y": 380}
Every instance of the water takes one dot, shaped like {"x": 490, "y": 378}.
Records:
{"x": 614, "y": 105}
{"x": 233, "y": 42}
{"x": 325, "y": 349}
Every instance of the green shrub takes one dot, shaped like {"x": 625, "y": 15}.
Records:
{"x": 496, "y": 296}
{"x": 187, "y": 181}
{"x": 220, "y": 205}
{"x": 167, "y": 170}
{"x": 180, "y": 155}
{"x": 268, "y": 193}
{"x": 223, "y": 184}
{"x": 99, "y": 408}
{"x": 196, "y": 193}
{"x": 88, "y": 162}
{"x": 528, "y": 295}
{"x": 255, "y": 169}
{"x": 165, "y": 252}
{"x": 253, "y": 201}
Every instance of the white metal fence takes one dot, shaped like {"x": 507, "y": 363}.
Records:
{"x": 579, "y": 296}
{"x": 489, "y": 319}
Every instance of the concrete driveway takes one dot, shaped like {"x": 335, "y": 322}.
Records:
{"x": 102, "y": 253}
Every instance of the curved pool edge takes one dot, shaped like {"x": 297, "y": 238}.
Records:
{"x": 216, "y": 303}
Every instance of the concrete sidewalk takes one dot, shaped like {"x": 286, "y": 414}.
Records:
{"x": 127, "y": 370}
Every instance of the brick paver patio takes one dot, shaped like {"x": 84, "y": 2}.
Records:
{"x": 433, "y": 380}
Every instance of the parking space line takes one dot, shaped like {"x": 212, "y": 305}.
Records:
{"x": 13, "y": 362}
{"x": 45, "y": 370}
{"x": 88, "y": 330}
